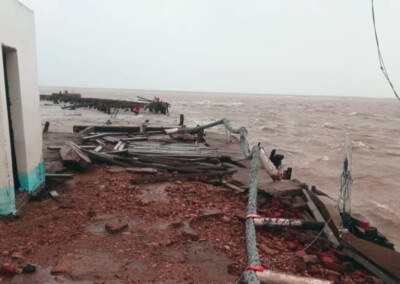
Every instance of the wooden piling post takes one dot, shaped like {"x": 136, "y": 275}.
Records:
{"x": 46, "y": 127}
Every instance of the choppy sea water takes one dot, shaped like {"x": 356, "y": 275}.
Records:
{"x": 309, "y": 131}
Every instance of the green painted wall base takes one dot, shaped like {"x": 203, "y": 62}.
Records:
{"x": 7, "y": 200}
{"x": 28, "y": 182}
{"x": 31, "y": 181}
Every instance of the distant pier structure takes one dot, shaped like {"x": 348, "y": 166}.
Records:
{"x": 21, "y": 164}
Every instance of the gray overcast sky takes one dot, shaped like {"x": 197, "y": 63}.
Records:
{"x": 310, "y": 47}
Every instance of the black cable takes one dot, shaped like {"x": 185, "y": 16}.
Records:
{"x": 381, "y": 62}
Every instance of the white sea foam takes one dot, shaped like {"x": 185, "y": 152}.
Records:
{"x": 234, "y": 104}
{"x": 328, "y": 125}
{"x": 379, "y": 205}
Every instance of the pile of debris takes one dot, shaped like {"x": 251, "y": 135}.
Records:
{"x": 148, "y": 152}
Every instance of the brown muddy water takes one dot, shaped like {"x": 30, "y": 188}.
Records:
{"x": 309, "y": 131}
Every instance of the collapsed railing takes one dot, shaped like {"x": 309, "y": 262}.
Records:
{"x": 257, "y": 153}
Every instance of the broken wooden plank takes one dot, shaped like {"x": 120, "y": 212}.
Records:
{"x": 317, "y": 214}
{"x": 116, "y": 148}
{"x": 232, "y": 186}
{"x": 269, "y": 166}
{"x": 135, "y": 139}
{"x": 102, "y": 135}
{"x": 101, "y": 143}
{"x": 72, "y": 155}
{"x": 103, "y": 157}
{"x": 87, "y": 147}
{"x": 121, "y": 147}
{"x": 98, "y": 148}
{"x": 87, "y": 130}
{"x": 53, "y": 147}
{"x": 115, "y": 170}
{"x": 290, "y": 187}
{"x": 59, "y": 176}
{"x": 142, "y": 170}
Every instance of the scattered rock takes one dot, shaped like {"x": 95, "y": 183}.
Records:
{"x": 331, "y": 272}
{"x": 327, "y": 259}
{"x": 300, "y": 266}
{"x": 240, "y": 214}
{"x": 210, "y": 212}
{"x": 226, "y": 219}
{"x": 266, "y": 249}
{"x": 313, "y": 270}
{"x": 5, "y": 253}
{"x": 300, "y": 253}
{"x": 335, "y": 266}
{"x": 310, "y": 258}
{"x": 62, "y": 267}
{"x": 153, "y": 245}
{"x": 29, "y": 269}
{"x": 185, "y": 229}
{"x": 17, "y": 255}
{"x": 116, "y": 226}
{"x": 291, "y": 245}
{"x": 341, "y": 255}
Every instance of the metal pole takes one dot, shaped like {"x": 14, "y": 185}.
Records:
{"x": 346, "y": 181}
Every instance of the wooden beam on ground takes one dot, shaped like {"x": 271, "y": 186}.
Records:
{"x": 232, "y": 186}
{"x": 103, "y": 157}
{"x": 59, "y": 176}
{"x": 71, "y": 154}
{"x": 317, "y": 215}
{"x": 274, "y": 277}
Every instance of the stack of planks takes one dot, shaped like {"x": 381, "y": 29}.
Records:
{"x": 156, "y": 150}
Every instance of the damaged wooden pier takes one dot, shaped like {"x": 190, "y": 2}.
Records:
{"x": 109, "y": 106}
{"x": 159, "y": 204}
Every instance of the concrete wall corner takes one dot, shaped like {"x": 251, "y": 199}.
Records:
{"x": 32, "y": 180}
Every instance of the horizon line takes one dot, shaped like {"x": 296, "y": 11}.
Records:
{"x": 221, "y": 93}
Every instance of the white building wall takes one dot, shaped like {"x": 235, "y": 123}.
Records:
{"x": 17, "y": 31}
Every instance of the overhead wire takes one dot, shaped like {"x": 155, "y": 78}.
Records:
{"x": 381, "y": 62}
